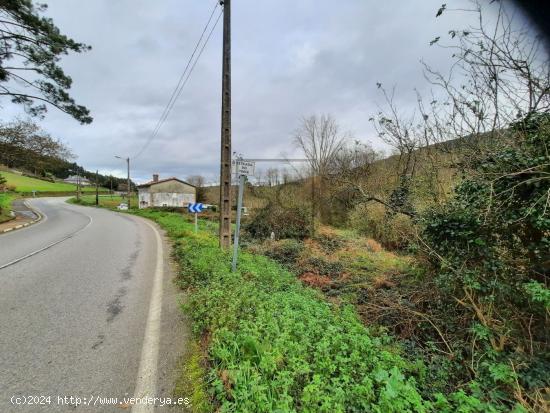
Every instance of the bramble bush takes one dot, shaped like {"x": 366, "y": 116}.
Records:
{"x": 291, "y": 222}
{"x": 285, "y": 251}
{"x": 490, "y": 248}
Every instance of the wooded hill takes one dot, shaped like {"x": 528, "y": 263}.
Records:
{"x": 27, "y": 148}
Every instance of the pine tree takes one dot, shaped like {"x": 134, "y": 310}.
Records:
{"x": 31, "y": 46}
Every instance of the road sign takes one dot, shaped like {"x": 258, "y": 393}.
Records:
{"x": 195, "y": 208}
{"x": 241, "y": 167}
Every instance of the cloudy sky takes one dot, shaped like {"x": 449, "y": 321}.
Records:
{"x": 290, "y": 59}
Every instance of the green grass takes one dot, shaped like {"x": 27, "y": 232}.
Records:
{"x": 106, "y": 201}
{"x": 5, "y": 204}
{"x": 27, "y": 184}
{"x": 190, "y": 381}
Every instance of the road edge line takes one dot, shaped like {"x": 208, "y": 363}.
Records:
{"x": 146, "y": 383}
{"x": 35, "y": 210}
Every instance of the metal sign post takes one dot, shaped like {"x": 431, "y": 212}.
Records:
{"x": 195, "y": 209}
{"x": 242, "y": 179}
{"x": 242, "y": 169}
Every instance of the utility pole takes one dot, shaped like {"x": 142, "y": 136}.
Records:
{"x": 96, "y": 188}
{"x": 225, "y": 166}
{"x": 78, "y": 185}
{"x": 128, "y": 162}
{"x": 128, "y": 180}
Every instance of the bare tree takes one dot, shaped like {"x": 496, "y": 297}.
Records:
{"x": 272, "y": 176}
{"x": 199, "y": 182}
{"x": 500, "y": 74}
{"x": 351, "y": 172}
{"x": 400, "y": 133}
{"x": 320, "y": 138}
{"x": 259, "y": 175}
{"x": 286, "y": 176}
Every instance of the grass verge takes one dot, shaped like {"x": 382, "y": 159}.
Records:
{"x": 106, "y": 201}
{"x": 5, "y": 206}
{"x": 274, "y": 345}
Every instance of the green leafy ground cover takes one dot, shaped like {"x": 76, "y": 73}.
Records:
{"x": 274, "y": 345}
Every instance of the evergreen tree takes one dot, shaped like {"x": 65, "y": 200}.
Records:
{"x": 30, "y": 49}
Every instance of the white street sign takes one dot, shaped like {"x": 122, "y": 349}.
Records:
{"x": 243, "y": 167}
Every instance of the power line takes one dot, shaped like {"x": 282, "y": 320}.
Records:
{"x": 198, "y": 57}
{"x": 182, "y": 80}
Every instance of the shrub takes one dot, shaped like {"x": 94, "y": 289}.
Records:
{"x": 284, "y": 222}
{"x": 321, "y": 266}
{"x": 286, "y": 251}
{"x": 393, "y": 231}
{"x": 328, "y": 241}
{"x": 490, "y": 248}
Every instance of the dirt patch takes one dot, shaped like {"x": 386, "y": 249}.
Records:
{"x": 315, "y": 280}
{"x": 373, "y": 245}
{"x": 382, "y": 281}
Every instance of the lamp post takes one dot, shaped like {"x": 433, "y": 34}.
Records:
{"x": 77, "y": 181}
{"x": 128, "y": 182}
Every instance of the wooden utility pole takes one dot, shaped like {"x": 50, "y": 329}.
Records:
{"x": 78, "y": 185}
{"x": 225, "y": 166}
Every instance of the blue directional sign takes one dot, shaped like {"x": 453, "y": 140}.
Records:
{"x": 195, "y": 208}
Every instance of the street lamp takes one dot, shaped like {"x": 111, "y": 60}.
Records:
{"x": 128, "y": 183}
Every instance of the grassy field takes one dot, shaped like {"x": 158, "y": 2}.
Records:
{"x": 27, "y": 184}
{"x": 5, "y": 203}
{"x": 107, "y": 201}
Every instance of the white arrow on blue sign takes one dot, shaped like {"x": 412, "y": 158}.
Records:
{"x": 194, "y": 208}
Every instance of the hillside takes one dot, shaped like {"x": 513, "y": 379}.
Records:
{"x": 25, "y": 184}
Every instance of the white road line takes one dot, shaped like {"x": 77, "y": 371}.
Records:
{"x": 49, "y": 245}
{"x": 146, "y": 383}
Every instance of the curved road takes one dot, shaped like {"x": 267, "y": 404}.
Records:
{"x": 87, "y": 309}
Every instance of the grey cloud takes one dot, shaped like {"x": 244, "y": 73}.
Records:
{"x": 290, "y": 59}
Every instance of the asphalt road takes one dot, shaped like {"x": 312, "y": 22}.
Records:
{"x": 87, "y": 309}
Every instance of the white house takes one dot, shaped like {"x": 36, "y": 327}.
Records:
{"x": 169, "y": 192}
{"x": 75, "y": 179}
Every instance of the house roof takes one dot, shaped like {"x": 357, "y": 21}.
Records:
{"x": 173, "y": 178}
